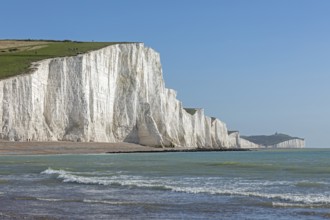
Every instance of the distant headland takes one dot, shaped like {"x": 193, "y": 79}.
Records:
{"x": 276, "y": 140}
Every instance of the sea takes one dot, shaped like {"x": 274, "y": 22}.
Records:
{"x": 263, "y": 184}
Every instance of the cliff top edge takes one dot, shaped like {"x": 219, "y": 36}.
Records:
{"x": 16, "y": 56}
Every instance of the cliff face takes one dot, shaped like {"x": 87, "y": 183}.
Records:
{"x": 294, "y": 143}
{"x": 110, "y": 95}
{"x": 248, "y": 144}
{"x": 271, "y": 141}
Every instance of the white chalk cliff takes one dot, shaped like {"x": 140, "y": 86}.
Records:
{"x": 276, "y": 140}
{"x": 293, "y": 143}
{"x": 248, "y": 144}
{"x": 113, "y": 94}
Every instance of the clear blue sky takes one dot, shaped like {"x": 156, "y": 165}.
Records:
{"x": 259, "y": 65}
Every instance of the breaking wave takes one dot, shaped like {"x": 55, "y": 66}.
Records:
{"x": 200, "y": 185}
{"x": 51, "y": 200}
{"x": 120, "y": 180}
{"x": 106, "y": 202}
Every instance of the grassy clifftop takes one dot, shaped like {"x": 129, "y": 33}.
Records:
{"x": 16, "y": 56}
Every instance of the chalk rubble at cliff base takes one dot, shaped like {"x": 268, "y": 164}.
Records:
{"x": 115, "y": 94}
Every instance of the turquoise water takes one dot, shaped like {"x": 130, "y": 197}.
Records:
{"x": 266, "y": 184}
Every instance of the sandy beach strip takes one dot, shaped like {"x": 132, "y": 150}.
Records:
{"x": 67, "y": 147}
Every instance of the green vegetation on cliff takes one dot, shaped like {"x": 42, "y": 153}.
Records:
{"x": 191, "y": 111}
{"x": 268, "y": 140}
{"x": 16, "y": 56}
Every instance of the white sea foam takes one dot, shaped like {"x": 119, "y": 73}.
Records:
{"x": 299, "y": 205}
{"x": 50, "y": 200}
{"x": 51, "y": 171}
{"x": 197, "y": 185}
{"x": 123, "y": 180}
{"x": 105, "y": 202}
{"x": 309, "y": 199}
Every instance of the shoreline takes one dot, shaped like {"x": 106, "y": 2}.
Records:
{"x": 67, "y": 147}
{"x": 169, "y": 150}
